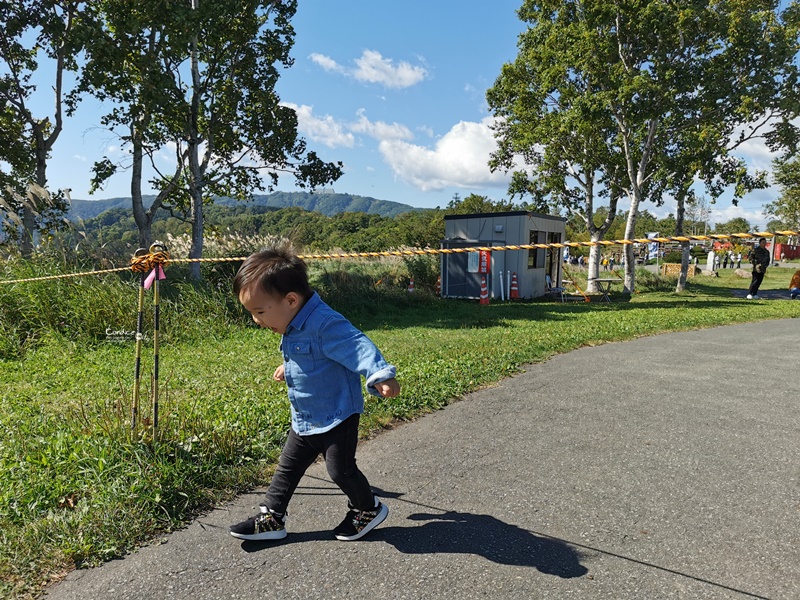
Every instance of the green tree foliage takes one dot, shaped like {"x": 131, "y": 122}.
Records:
{"x": 112, "y": 235}
{"x": 550, "y": 121}
{"x": 421, "y": 229}
{"x": 786, "y": 208}
{"x": 127, "y": 68}
{"x": 35, "y": 33}
{"x": 474, "y": 204}
{"x": 735, "y": 225}
{"x": 646, "y": 223}
{"x": 203, "y": 80}
{"x": 643, "y": 96}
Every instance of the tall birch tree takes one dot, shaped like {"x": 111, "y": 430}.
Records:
{"x": 205, "y": 91}
{"x": 238, "y": 136}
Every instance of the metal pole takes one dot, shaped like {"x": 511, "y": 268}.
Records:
{"x": 137, "y": 372}
{"x": 157, "y": 247}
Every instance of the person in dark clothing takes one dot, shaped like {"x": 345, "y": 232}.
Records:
{"x": 760, "y": 258}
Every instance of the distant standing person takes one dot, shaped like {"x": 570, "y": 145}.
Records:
{"x": 759, "y": 257}
{"x": 739, "y": 260}
{"x": 725, "y": 261}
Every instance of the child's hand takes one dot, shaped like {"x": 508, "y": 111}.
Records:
{"x": 389, "y": 388}
{"x": 279, "y": 374}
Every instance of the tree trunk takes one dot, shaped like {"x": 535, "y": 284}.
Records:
{"x": 35, "y": 202}
{"x": 636, "y": 176}
{"x": 196, "y": 250}
{"x": 195, "y": 170}
{"x": 28, "y": 226}
{"x": 630, "y": 232}
{"x": 594, "y": 265}
{"x": 679, "y": 220}
{"x": 596, "y": 233}
{"x": 143, "y": 218}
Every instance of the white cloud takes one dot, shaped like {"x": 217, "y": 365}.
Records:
{"x": 80, "y": 157}
{"x": 754, "y": 216}
{"x": 459, "y": 159}
{"x": 380, "y": 130}
{"x": 335, "y": 134}
{"x": 327, "y": 63}
{"x": 372, "y": 67}
{"x": 756, "y": 154}
{"x": 324, "y": 130}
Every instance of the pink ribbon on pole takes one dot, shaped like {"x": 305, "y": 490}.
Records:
{"x": 156, "y": 272}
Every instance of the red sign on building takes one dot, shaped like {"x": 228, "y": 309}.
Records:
{"x": 485, "y": 261}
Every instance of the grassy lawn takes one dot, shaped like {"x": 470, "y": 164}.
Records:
{"x": 78, "y": 487}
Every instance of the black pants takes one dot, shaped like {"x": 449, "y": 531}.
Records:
{"x": 338, "y": 448}
{"x": 755, "y": 283}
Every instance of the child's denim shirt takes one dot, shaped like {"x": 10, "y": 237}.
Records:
{"x": 324, "y": 356}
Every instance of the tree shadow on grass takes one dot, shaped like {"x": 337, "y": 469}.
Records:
{"x": 455, "y": 317}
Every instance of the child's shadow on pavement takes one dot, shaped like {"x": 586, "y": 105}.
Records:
{"x": 483, "y": 535}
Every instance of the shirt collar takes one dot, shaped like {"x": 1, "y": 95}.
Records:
{"x": 301, "y": 317}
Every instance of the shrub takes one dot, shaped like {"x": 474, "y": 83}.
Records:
{"x": 646, "y": 281}
{"x": 424, "y": 268}
{"x": 84, "y": 309}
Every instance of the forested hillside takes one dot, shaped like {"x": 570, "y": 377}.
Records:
{"x": 327, "y": 203}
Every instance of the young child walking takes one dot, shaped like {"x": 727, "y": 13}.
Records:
{"x": 324, "y": 357}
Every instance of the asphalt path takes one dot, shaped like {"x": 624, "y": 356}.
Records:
{"x": 664, "y": 467}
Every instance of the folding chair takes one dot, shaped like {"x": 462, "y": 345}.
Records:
{"x": 553, "y": 291}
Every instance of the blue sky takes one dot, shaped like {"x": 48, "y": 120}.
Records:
{"x": 394, "y": 90}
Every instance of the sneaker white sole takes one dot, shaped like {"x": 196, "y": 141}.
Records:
{"x": 258, "y": 537}
{"x": 379, "y": 518}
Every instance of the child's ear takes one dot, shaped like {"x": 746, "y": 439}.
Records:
{"x": 293, "y": 298}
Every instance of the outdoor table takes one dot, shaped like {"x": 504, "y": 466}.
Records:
{"x": 604, "y": 285}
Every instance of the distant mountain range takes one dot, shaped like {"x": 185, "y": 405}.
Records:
{"x": 326, "y": 202}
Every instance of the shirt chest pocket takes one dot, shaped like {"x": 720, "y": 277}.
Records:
{"x": 302, "y": 354}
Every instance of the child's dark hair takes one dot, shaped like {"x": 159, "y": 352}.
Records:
{"x": 275, "y": 270}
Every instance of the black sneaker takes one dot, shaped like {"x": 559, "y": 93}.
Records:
{"x": 359, "y": 523}
{"x": 266, "y": 525}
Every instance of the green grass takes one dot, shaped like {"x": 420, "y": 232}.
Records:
{"x": 78, "y": 488}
